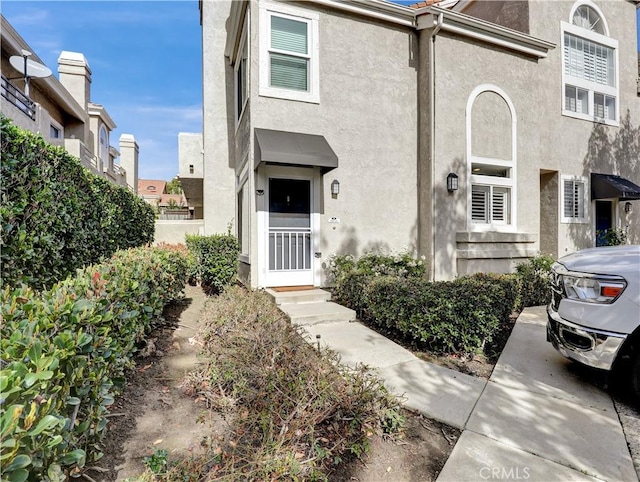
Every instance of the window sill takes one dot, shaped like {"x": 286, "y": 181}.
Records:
{"x": 309, "y": 97}
{"x": 588, "y": 118}
{"x": 244, "y": 258}
{"x": 574, "y": 221}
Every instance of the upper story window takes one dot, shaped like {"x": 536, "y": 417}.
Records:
{"x": 289, "y": 54}
{"x": 241, "y": 72}
{"x": 590, "y": 66}
{"x": 104, "y": 143}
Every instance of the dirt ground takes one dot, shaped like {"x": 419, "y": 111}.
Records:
{"x": 154, "y": 413}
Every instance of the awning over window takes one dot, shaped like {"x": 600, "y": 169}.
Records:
{"x": 294, "y": 149}
{"x": 604, "y": 186}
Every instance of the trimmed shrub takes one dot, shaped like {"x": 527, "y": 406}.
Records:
{"x": 298, "y": 413}
{"x": 214, "y": 260}
{"x": 447, "y": 316}
{"x": 534, "y": 282}
{"x": 56, "y": 216}
{"x": 65, "y": 352}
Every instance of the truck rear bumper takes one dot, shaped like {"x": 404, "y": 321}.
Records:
{"x": 593, "y": 348}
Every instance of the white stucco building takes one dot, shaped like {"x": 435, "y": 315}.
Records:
{"x": 62, "y": 112}
{"x": 477, "y": 134}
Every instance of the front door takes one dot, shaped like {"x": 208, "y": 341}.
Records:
{"x": 290, "y": 236}
{"x": 604, "y": 221}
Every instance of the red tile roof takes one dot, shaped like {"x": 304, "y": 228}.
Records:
{"x": 151, "y": 186}
{"x": 426, "y": 3}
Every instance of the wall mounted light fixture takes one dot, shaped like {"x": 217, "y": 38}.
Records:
{"x": 260, "y": 192}
{"x": 335, "y": 187}
{"x": 627, "y": 207}
{"x": 452, "y": 182}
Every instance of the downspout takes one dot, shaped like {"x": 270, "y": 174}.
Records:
{"x": 432, "y": 130}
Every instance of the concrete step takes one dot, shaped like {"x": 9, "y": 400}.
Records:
{"x": 303, "y": 296}
{"x": 319, "y": 312}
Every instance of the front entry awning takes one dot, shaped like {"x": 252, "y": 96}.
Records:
{"x": 605, "y": 186}
{"x": 293, "y": 149}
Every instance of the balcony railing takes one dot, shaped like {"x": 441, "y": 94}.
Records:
{"x": 17, "y": 98}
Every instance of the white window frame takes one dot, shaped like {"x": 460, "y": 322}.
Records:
{"x": 509, "y": 183}
{"x": 311, "y": 19}
{"x": 56, "y": 140}
{"x": 591, "y": 87}
{"x": 244, "y": 42}
{"x": 573, "y": 219}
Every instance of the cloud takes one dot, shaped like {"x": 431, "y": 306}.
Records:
{"x": 30, "y": 17}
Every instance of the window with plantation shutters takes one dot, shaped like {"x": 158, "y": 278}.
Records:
{"x": 289, "y": 54}
{"x": 490, "y": 204}
{"x": 573, "y": 200}
{"x": 589, "y": 67}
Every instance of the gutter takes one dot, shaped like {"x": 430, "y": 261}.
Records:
{"x": 378, "y": 9}
{"x": 482, "y": 30}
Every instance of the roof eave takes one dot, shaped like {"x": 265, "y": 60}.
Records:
{"x": 472, "y": 27}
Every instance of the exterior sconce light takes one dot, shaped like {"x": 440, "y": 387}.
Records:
{"x": 452, "y": 182}
{"x": 627, "y": 207}
{"x": 335, "y": 188}
{"x": 260, "y": 192}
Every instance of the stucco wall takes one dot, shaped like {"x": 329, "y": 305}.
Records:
{"x": 219, "y": 179}
{"x": 368, "y": 114}
{"x": 174, "y": 232}
{"x": 546, "y": 140}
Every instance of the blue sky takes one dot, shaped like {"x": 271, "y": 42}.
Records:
{"x": 145, "y": 58}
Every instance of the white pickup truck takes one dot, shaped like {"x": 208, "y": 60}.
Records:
{"x": 594, "y": 314}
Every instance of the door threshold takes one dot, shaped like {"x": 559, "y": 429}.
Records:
{"x": 282, "y": 289}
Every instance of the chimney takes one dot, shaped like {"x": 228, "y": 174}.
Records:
{"x": 129, "y": 159}
{"x": 75, "y": 76}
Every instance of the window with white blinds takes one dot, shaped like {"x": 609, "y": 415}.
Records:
{"x": 490, "y": 204}
{"x": 573, "y": 200}
{"x": 590, "y": 70}
{"x": 289, "y": 54}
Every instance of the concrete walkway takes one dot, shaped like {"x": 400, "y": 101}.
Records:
{"x": 534, "y": 420}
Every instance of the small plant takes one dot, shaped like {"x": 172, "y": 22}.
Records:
{"x": 611, "y": 237}
{"x": 157, "y": 461}
{"x": 534, "y": 281}
{"x": 213, "y": 260}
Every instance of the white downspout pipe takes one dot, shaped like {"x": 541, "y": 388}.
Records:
{"x": 432, "y": 130}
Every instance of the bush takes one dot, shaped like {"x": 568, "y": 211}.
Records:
{"x": 214, "y": 260}
{"x": 447, "y": 316}
{"x": 64, "y": 356}
{"x": 534, "y": 282}
{"x": 402, "y": 265}
{"x": 298, "y": 414}
{"x": 55, "y": 216}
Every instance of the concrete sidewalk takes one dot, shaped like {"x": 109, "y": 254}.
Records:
{"x": 535, "y": 419}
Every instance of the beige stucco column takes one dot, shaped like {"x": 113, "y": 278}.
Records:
{"x": 129, "y": 159}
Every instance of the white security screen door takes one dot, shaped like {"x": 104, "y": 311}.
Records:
{"x": 290, "y": 236}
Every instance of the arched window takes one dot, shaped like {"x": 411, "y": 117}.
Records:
{"x": 104, "y": 144}
{"x": 590, "y": 70}
{"x": 491, "y": 159}
{"x": 586, "y": 16}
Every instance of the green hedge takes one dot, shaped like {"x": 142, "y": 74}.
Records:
{"x": 64, "y": 356}
{"x": 214, "y": 260}
{"x": 534, "y": 281}
{"x": 56, "y": 216}
{"x": 446, "y": 316}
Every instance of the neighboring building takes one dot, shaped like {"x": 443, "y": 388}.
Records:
{"x": 190, "y": 152}
{"x": 61, "y": 111}
{"x": 476, "y": 133}
{"x": 168, "y": 206}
